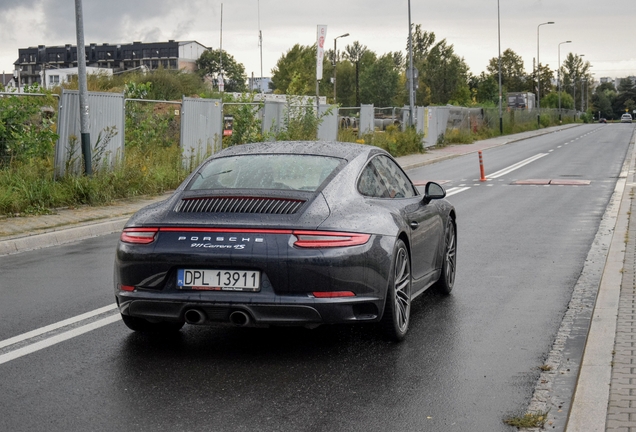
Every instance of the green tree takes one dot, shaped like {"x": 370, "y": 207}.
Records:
{"x": 574, "y": 71}
{"x": 295, "y": 71}
{"x": 625, "y": 97}
{"x": 355, "y": 54}
{"x": 513, "y": 76}
{"x": 547, "y": 77}
{"x": 486, "y": 89}
{"x": 602, "y": 102}
{"x": 346, "y": 83}
{"x": 213, "y": 63}
{"x": 379, "y": 82}
{"x": 552, "y": 101}
{"x": 445, "y": 74}
{"x": 422, "y": 43}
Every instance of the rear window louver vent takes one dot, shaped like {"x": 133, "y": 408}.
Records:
{"x": 239, "y": 205}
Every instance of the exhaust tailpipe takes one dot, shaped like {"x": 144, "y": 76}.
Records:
{"x": 239, "y": 318}
{"x": 194, "y": 316}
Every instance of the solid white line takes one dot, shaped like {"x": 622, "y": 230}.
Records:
{"x": 516, "y": 166}
{"x": 456, "y": 190}
{"x": 58, "y": 338}
{"x": 55, "y": 326}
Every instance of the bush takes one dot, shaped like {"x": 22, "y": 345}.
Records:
{"x": 396, "y": 142}
{"x": 27, "y": 126}
{"x": 30, "y": 187}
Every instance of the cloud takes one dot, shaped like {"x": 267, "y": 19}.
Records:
{"x": 471, "y": 26}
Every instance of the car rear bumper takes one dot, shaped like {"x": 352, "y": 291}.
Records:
{"x": 291, "y": 311}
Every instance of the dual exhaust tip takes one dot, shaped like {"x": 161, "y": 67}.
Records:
{"x": 238, "y": 318}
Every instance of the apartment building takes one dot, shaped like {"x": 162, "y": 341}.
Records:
{"x": 35, "y": 63}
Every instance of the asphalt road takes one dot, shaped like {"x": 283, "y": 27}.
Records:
{"x": 470, "y": 360}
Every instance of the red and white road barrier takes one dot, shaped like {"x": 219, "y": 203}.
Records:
{"x": 481, "y": 168}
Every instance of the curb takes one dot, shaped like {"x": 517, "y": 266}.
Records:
{"x": 62, "y": 236}
{"x": 591, "y": 397}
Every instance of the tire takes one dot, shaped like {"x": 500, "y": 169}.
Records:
{"x": 397, "y": 307}
{"x": 145, "y": 326}
{"x": 446, "y": 281}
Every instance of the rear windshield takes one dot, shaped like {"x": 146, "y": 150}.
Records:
{"x": 266, "y": 171}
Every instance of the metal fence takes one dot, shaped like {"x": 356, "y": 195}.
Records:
{"x": 199, "y": 126}
{"x": 106, "y": 127}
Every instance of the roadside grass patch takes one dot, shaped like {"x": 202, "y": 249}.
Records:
{"x": 528, "y": 420}
{"x": 30, "y": 188}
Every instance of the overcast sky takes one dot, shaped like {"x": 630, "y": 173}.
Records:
{"x": 602, "y": 30}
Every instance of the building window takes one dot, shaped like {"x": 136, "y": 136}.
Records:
{"x": 54, "y": 79}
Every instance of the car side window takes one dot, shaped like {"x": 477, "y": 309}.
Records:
{"x": 370, "y": 184}
{"x": 397, "y": 183}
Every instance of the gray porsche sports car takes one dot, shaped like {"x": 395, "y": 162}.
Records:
{"x": 287, "y": 233}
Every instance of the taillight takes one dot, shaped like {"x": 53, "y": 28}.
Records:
{"x": 139, "y": 235}
{"x": 128, "y": 288}
{"x": 325, "y": 239}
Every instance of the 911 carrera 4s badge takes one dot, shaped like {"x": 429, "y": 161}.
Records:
{"x": 220, "y": 242}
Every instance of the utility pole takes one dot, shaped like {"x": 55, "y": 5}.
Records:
{"x": 411, "y": 86}
{"x": 260, "y": 44}
{"x": 83, "y": 89}
{"x": 221, "y": 79}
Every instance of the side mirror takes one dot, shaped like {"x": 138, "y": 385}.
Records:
{"x": 433, "y": 191}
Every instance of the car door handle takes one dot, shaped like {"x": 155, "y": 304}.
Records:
{"x": 414, "y": 224}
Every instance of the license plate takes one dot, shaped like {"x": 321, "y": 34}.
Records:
{"x": 218, "y": 280}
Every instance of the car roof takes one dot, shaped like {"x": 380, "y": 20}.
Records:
{"x": 343, "y": 150}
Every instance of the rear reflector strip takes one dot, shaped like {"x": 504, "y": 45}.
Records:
{"x": 333, "y": 294}
{"x": 127, "y": 288}
{"x": 228, "y": 230}
{"x": 304, "y": 239}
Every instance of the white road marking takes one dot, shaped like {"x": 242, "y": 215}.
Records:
{"x": 516, "y": 166}
{"x": 58, "y": 338}
{"x": 456, "y": 190}
{"x": 55, "y": 326}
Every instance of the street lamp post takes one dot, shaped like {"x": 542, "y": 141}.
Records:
{"x": 559, "y": 77}
{"x": 499, "y": 44}
{"x": 335, "y": 62}
{"x": 539, "y": 75}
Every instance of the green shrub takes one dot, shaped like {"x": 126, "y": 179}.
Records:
{"x": 27, "y": 126}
